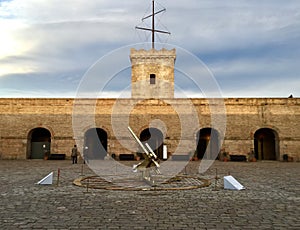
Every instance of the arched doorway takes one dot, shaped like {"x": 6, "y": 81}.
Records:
{"x": 39, "y": 140}
{"x": 266, "y": 144}
{"x": 207, "y": 140}
{"x": 155, "y": 139}
{"x": 95, "y": 143}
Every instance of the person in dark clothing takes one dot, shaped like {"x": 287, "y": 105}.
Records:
{"x": 74, "y": 154}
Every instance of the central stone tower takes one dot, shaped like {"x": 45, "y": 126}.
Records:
{"x": 152, "y": 73}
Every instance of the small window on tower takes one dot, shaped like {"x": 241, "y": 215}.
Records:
{"x": 152, "y": 79}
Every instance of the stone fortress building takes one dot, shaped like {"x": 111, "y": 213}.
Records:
{"x": 264, "y": 128}
{"x": 268, "y": 127}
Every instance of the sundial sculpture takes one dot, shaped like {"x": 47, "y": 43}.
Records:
{"x": 151, "y": 160}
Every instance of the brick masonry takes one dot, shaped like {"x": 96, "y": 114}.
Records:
{"x": 244, "y": 116}
{"x": 157, "y": 62}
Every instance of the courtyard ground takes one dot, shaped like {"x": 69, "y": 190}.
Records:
{"x": 271, "y": 200}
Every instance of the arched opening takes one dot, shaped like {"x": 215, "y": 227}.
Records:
{"x": 207, "y": 141}
{"x": 95, "y": 144}
{"x": 266, "y": 144}
{"x": 155, "y": 139}
{"x": 39, "y": 143}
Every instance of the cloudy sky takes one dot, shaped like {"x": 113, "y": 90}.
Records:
{"x": 252, "y": 47}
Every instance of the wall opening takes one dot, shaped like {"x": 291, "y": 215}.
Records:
{"x": 39, "y": 143}
{"x": 95, "y": 144}
{"x": 152, "y": 79}
{"x": 266, "y": 144}
{"x": 154, "y": 138}
{"x": 207, "y": 141}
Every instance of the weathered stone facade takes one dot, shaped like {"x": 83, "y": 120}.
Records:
{"x": 244, "y": 118}
{"x": 264, "y": 128}
{"x": 155, "y": 64}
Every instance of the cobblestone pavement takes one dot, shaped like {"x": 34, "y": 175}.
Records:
{"x": 271, "y": 200}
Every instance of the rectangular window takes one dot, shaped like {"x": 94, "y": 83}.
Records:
{"x": 152, "y": 79}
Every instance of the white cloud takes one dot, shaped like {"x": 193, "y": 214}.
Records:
{"x": 235, "y": 38}
{"x": 270, "y": 89}
{"x": 10, "y": 44}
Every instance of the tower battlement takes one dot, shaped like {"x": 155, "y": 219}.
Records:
{"x": 136, "y": 55}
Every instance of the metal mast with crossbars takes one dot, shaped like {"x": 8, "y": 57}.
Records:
{"x": 153, "y": 30}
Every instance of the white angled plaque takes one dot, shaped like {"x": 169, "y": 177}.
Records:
{"x": 47, "y": 179}
{"x": 231, "y": 183}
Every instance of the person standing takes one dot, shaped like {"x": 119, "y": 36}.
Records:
{"x": 74, "y": 154}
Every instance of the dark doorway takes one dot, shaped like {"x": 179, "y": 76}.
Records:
{"x": 265, "y": 144}
{"x": 154, "y": 138}
{"x": 39, "y": 140}
{"x": 95, "y": 143}
{"x": 208, "y": 140}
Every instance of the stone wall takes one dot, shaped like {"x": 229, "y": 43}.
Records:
{"x": 244, "y": 116}
{"x": 157, "y": 62}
